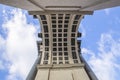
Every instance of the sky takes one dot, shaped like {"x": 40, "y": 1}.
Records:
{"x": 100, "y": 42}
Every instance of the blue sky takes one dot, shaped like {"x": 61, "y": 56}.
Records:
{"x": 100, "y": 42}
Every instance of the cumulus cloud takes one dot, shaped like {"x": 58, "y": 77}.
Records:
{"x": 2, "y": 48}
{"x": 1, "y": 65}
{"x": 20, "y": 49}
{"x": 107, "y": 11}
{"x": 82, "y": 29}
{"x": 105, "y": 63}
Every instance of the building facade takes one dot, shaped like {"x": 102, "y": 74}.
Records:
{"x": 59, "y": 51}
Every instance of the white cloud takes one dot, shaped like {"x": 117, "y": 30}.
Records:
{"x": 20, "y": 45}
{"x": 2, "y": 47}
{"x": 107, "y": 11}
{"x": 105, "y": 63}
{"x": 1, "y": 65}
{"x": 2, "y": 43}
{"x": 82, "y": 29}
